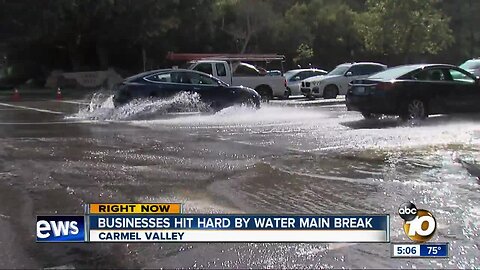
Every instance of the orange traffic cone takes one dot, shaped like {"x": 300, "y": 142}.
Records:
{"x": 59, "y": 94}
{"x": 16, "y": 95}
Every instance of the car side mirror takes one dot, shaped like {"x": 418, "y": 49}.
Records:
{"x": 297, "y": 78}
{"x": 348, "y": 74}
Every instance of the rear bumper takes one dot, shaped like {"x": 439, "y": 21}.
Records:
{"x": 381, "y": 104}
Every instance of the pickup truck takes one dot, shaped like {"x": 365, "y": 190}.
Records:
{"x": 243, "y": 74}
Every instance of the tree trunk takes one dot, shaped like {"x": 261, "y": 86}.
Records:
{"x": 472, "y": 30}
{"x": 102, "y": 56}
{"x": 407, "y": 45}
{"x": 75, "y": 57}
{"x": 247, "y": 36}
{"x": 75, "y": 54}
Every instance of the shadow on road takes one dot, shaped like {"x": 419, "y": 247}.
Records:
{"x": 392, "y": 122}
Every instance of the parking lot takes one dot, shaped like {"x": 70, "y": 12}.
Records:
{"x": 291, "y": 156}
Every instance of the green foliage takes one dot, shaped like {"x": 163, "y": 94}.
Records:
{"x": 404, "y": 27}
{"x": 131, "y": 34}
{"x": 304, "y": 54}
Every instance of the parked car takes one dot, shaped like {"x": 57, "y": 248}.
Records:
{"x": 415, "y": 91}
{"x": 294, "y": 78}
{"x": 168, "y": 82}
{"x": 336, "y": 81}
{"x": 472, "y": 66}
{"x": 239, "y": 73}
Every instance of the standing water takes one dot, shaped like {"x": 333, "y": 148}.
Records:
{"x": 278, "y": 159}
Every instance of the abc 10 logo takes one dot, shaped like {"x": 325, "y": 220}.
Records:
{"x": 419, "y": 224}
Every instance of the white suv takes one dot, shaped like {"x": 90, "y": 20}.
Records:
{"x": 336, "y": 82}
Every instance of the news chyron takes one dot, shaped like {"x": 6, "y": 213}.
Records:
{"x": 60, "y": 229}
{"x": 166, "y": 222}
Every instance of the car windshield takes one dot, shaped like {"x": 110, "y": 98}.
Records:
{"x": 471, "y": 64}
{"x": 289, "y": 74}
{"x": 339, "y": 70}
{"x": 393, "y": 73}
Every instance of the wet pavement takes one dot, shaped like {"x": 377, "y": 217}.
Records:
{"x": 58, "y": 155}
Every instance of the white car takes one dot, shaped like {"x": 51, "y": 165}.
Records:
{"x": 294, "y": 78}
{"x": 472, "y": 66}
{"x": 336, "y": 82}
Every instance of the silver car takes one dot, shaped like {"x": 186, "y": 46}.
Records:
{"x": 294, "y": 77}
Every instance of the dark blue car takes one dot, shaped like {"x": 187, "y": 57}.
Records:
{"x": 169, "y": 82}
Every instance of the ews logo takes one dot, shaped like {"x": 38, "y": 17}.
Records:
{"x": 419, "y": 224}
{"x": 60, "y": 228}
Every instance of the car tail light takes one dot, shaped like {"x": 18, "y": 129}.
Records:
{"x": 285, "y": 82}
{"x": 384, "y": 86}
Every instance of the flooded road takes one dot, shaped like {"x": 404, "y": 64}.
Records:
{"x": 280, "y": 159}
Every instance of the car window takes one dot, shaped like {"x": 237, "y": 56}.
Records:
{"x": 196, "y": 78}
{"x": 361, "y": 70}
{"x": 180, "y": 77}
{"x": 434, "y": 74}
{"x": 309, "y": 74}
{"x": 358, "y": 70}
{"x": 317, "y": 73}
{"x": 221, "y": 71}
{"x": 296, "y": 77}
{"x": 299, "y": 76}
{"x": 339, "y": 70}
{"x": 289, "y": 74}
{"x": 371, "y": 69}
{"x": 205, "y": 68}
{"x": 160, "y": 77}
{"x": 245, "y": 70}
{"x": 462, "y": 77}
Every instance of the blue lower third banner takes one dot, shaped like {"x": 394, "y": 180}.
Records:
{"x": 60, "y": 229}
{"x": 238, "y": 228}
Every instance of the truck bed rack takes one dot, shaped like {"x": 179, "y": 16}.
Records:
{"x": 226, "y": 57}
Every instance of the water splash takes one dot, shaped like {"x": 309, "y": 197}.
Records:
{"x": 101, "y": 107}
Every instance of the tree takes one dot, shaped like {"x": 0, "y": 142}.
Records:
{"x": 244, "y": 19}
{"x": 404, "y": 28}
{"x": 464, "y": 21}
{"x": 304, "y": 54}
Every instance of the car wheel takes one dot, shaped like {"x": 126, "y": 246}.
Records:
{"x": 216, "y": 106}
{"x": 287, "y": 94}
{"x": 265, "y": 93}
{"x": 368, "y": 115}
{"x": 415, "y": 109}
{"x": 331, "y": 91}
{"x": 121, "y": 98}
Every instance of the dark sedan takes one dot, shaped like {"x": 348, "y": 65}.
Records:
{"x": 415, "y": 91}
{"x": 169, "y": 82}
